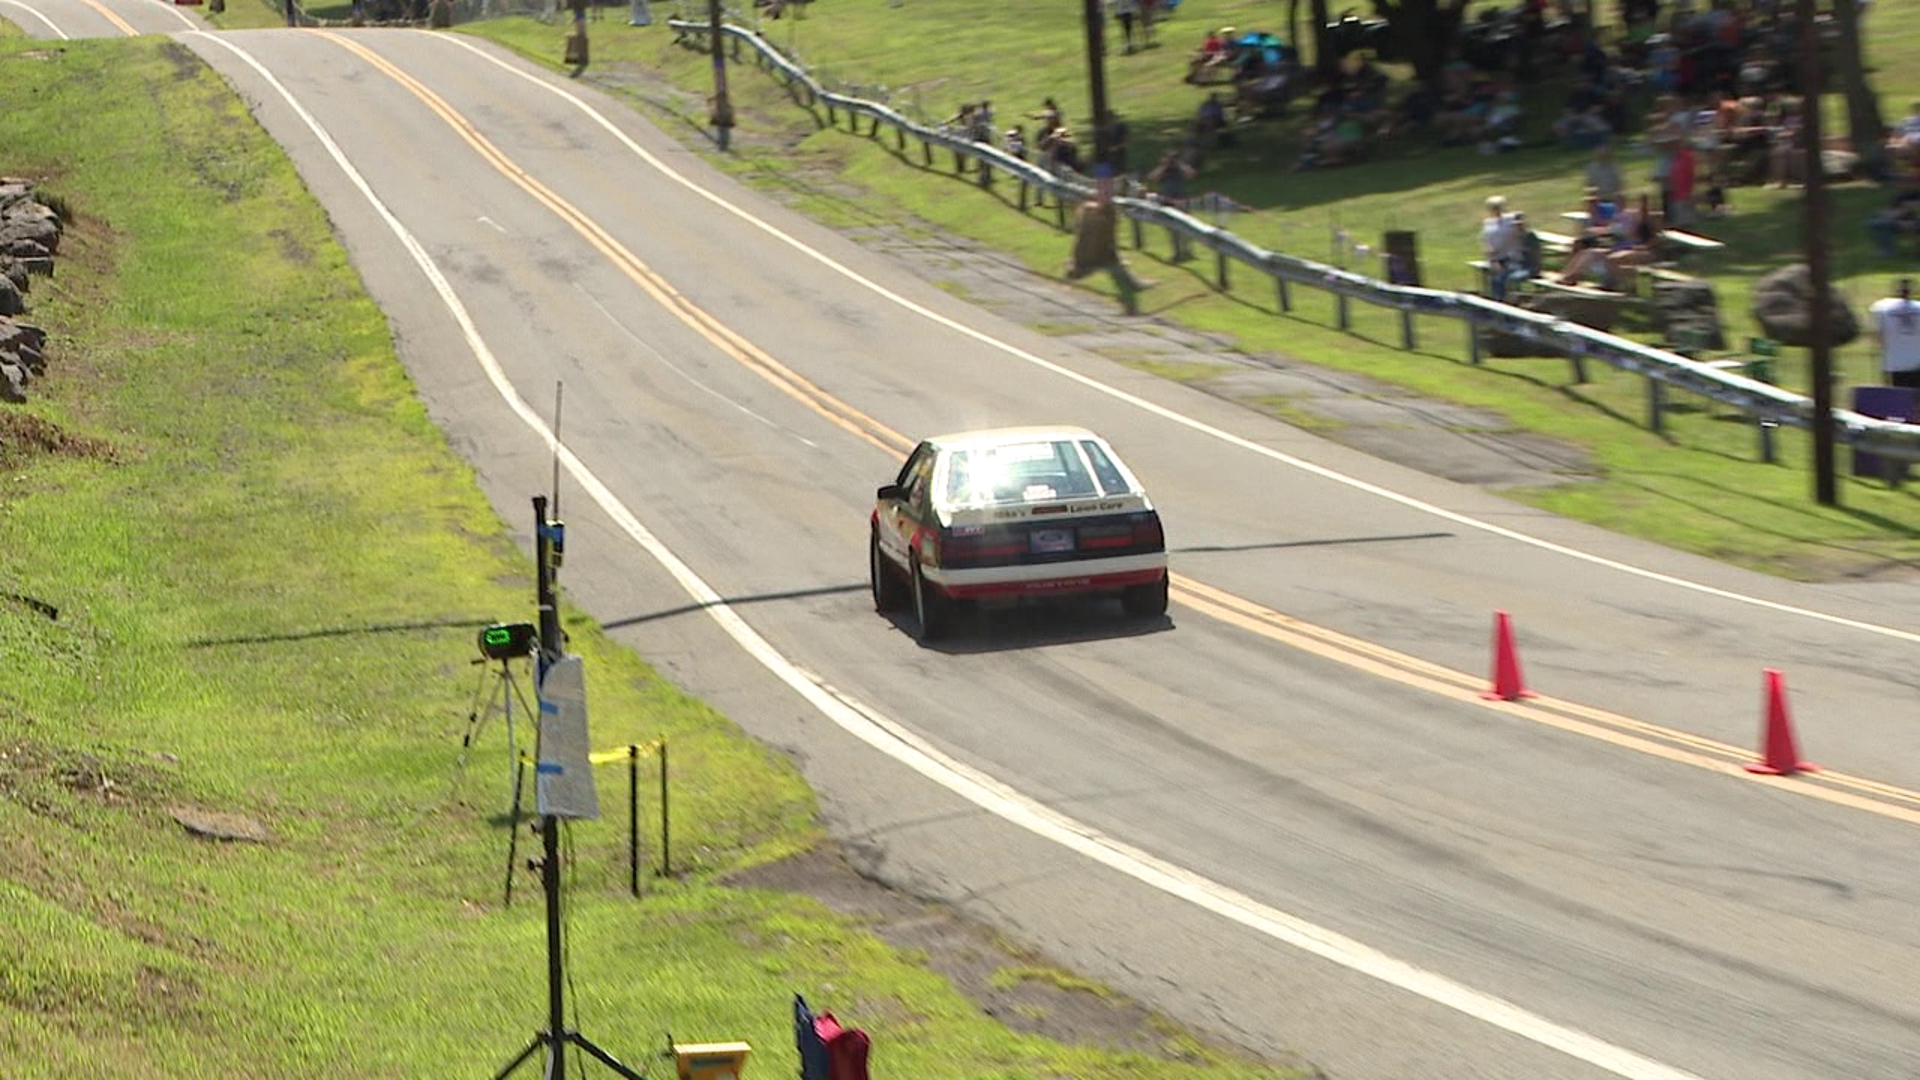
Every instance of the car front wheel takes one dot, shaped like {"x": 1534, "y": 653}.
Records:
{"x": 1146, "y": 601}
{"x": 929, "y": 607}
{"x": 883, "y": 579}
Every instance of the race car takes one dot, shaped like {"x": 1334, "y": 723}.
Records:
{"x": 1012, "y": 512}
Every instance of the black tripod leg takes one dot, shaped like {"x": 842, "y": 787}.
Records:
{"x": 513, "y": 828}
{"x": 532, "y": 1048}
{"x": 602, "y": 1056}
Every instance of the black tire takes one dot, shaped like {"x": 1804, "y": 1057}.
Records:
{"x": 889, "y": 593}
{"x": 930, "y": 608}
{"x": 1146, "y": 601}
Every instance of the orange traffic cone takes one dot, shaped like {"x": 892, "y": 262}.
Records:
{"x": 1507, "y": 683}
{"x": 1780, "y": 754}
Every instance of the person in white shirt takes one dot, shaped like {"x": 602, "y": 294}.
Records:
{"x": 1501, "y": 241}
{"x": 1896, "y": 324}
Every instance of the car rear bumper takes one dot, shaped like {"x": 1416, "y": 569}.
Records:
{"x": 1084, "y": 575}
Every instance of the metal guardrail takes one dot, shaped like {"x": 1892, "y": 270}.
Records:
{"x": 1768, "y": 405}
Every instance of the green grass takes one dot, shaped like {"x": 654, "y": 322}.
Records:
{"x": 251, "y": 509}
{"x": 1697, "y": 486}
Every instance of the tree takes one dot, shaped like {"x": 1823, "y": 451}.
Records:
{"x": 1422, "y": 33}
{"x": 1865, "y": 129}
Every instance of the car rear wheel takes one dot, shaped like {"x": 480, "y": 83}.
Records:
{"x": 1146, "y": 601}
{"x": 888, "y": 590}
{"x": 929, "y": 607}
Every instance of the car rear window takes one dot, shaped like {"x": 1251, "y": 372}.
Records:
{"x": 1104, "y": 470}
{"x": 1020, "y": 472}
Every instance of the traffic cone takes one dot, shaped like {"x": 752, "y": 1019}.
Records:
{"x": 1780, "y": 754}
{"x": 1507, "y": 683}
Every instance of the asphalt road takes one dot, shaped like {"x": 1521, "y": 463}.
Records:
{"x": 1283, "y": 812}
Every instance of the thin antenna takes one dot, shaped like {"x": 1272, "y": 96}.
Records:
{"x": 558, "y": 386}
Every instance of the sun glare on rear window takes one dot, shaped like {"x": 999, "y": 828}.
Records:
{"x": 1018, "y": 472}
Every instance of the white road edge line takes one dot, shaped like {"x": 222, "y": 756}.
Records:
{"x": 178, "y": 14}
{"x": 1160, "y": 410}
{"x": 968, "y": 783}
{"x": 35, "y": 12}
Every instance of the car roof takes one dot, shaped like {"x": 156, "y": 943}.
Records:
{"x": 997, "y": 436}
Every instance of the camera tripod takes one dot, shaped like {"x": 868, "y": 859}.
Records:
{"x": 500, "y": 694}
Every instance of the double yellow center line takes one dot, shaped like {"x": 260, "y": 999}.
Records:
{"x": 1668, "y": 744}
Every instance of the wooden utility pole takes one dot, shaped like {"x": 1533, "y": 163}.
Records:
{"x": 1819, "y": 270}
{"x": 722, "y": 105}
{"x": 1097, "y": 76}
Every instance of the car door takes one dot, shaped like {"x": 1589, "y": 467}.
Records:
{"x": 901, "y": 517}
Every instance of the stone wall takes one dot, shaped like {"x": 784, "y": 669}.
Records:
{"x": 29, "y": 240}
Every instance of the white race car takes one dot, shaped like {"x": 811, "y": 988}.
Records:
{"x": 1014, "y": 512}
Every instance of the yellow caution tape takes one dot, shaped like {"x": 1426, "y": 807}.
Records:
{"x": 603, "y": 757}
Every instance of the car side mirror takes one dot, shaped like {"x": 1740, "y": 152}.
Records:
{"x": 890, "y": 493}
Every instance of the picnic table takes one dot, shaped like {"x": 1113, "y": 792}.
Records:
{"x": 1680, "y": 238}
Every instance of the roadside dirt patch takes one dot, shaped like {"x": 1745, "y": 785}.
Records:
{"x": 1021, "y": 990}
{"x": 24, "y": 437}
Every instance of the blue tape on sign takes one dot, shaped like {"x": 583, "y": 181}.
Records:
{"x": 551, "y": 768}
{"x": 549, "y": 707}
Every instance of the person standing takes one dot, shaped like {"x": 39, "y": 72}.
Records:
{"x": 1896, "y": 325}
{"x": 1500, "y": 243}
{"x": 1127, "y": 11}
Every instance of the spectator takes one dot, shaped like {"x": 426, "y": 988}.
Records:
{"x": 1903, "y": 143}
{"x": 1500, "y": 242}
{"x": 1896, "y": 325}
{"x": 1901, "y": 219}
{"x": 1169, "y": 180}
{"x": 1017, "y": 142}
{"x": 1603, "y": 174}
{"x": 1048, "y": 118}
{"x": 1210, "y": 122}
{"x": 1210, "y": 57}
{"x": 1127, "y": 11}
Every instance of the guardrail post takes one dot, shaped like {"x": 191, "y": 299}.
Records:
{"x": 1023, "y": 195}
{"x": 1766, "y": 440}
{"x": 1138, "y": 241}
{"x": 926, "y": 153}
{"x": 1579, "y": 368}
{"x": 1473, "y": 337}
{"x": 1286, "y": 301}
{"x": 986, "y": 173}
{"x": 833, "y": 118}
{"x": 1060, "y": 209}
{"x": 900, "y": 136}
{"x": 1340, "y": 313}
{"x": 1220, "y": 263}
{"x": 1656, "y": 405}
{"x": 959, "y": 162}
{"x": 1406, "y": 330}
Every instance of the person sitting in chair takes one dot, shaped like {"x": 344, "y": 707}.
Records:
{"x": 1210, "y": 60}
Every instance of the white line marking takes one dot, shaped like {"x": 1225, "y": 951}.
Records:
{"x": 178, "y": 14}
{"x": 1160, "y": 410}
{"x": 676, "y": 369}
{"x": 963, "y": 780}
{"x": 35, "y": 12}
{"x": 492, "y": 224}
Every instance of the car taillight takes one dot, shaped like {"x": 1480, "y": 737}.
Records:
{"x": 1147, "y": 534}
